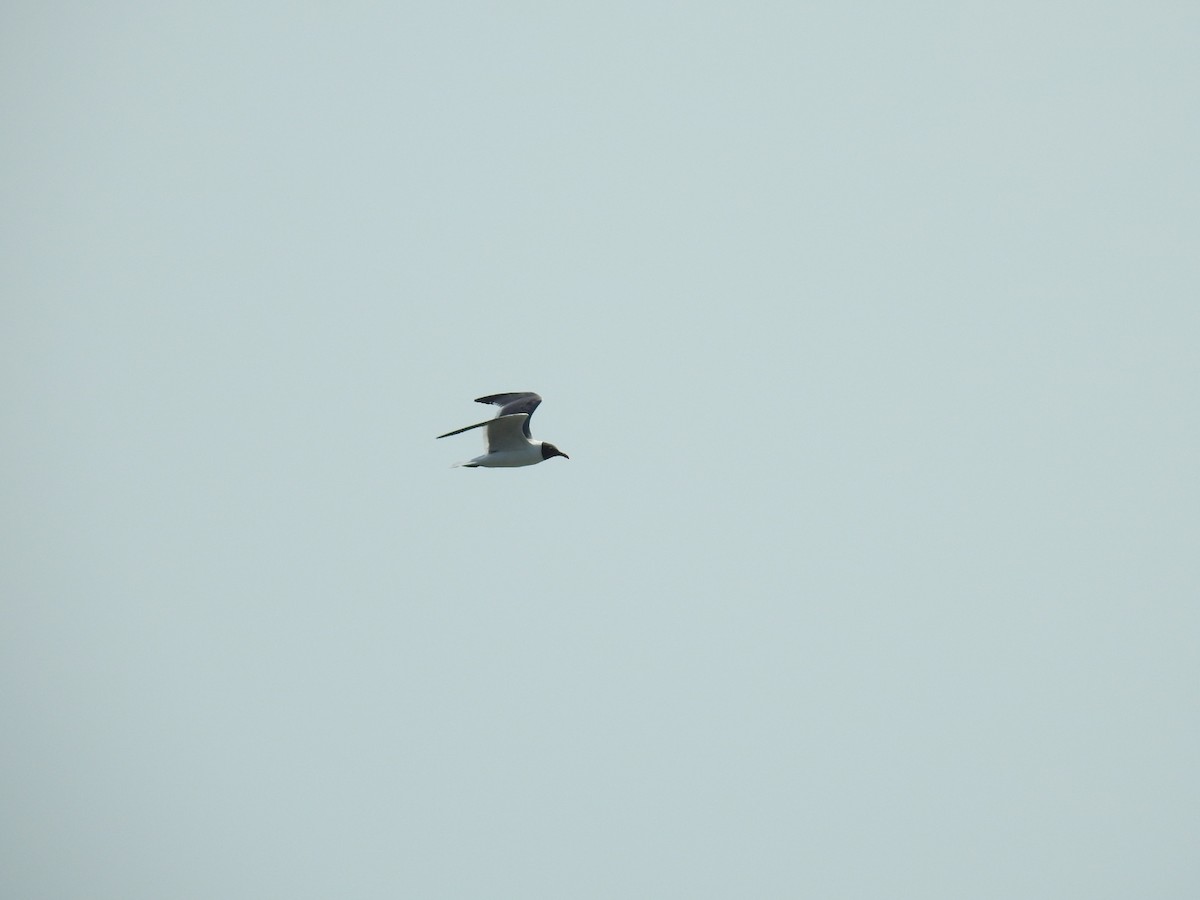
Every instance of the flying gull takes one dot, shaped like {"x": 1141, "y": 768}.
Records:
{"x": 509, "y": 442}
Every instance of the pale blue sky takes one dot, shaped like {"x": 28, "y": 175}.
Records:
{"x": 871, "y": 332}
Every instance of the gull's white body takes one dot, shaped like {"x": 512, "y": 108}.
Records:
{"x": 507, "y": 459}
{"x": 507, "y": 445}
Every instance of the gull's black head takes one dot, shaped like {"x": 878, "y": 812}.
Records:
{"x": 549, "y": 450}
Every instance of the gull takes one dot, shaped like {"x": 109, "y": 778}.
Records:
{"x": 509, "y": 442}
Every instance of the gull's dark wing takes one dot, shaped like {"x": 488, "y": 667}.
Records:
{"x": 461, "y": 430}
{"x": 512, "y": 404}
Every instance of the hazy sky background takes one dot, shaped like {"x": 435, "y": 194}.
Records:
{"x": 871, "y": 330}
